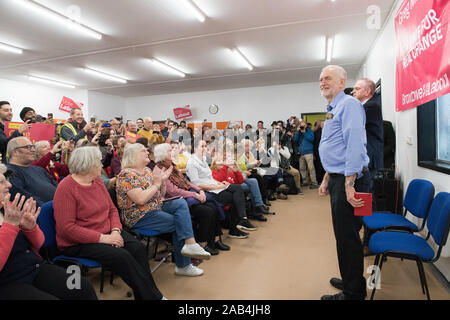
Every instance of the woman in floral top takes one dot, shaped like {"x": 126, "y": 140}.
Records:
{"x": 140, "y": 195}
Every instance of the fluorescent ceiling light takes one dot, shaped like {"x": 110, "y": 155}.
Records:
{"x": 103, "y": 75}
{"x": 52, "y": 82}
{"x": 8, "y": 48}
{"x": 60, "y": 18}
{"x": 330, "y": 44}
{"x": 196, "y": 10}
{"x": 166, "y": 67}
{"x": 241, "y": 58}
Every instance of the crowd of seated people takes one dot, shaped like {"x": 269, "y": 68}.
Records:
{"x": 171, "y": 179}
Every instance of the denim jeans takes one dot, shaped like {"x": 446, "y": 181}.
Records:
{"x": 255, "y": 194}
{"x": 174, "y": 218}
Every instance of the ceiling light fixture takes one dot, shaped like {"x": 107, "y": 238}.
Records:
{"x": 103, "y": 75}
{"x": 52, "y": 82}
{"x": 196, "y": 10}
{"x": 167, "y": 67}
{"x": 9, "y": 48}
{"x": 58, "y": 17}
{"x": 329, "y": 46}
{"x": 241, "y": 58}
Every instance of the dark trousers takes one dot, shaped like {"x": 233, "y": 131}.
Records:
{"x": 233, "y": 196}
{"x": 206, "y": 222}
{"x": 261, "y": 184}
{"x": 346, "y": 230}
{"x": 129, "y": 262}
{"x": 49, "y": 284}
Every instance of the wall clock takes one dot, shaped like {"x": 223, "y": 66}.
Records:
{"x": 213, "y": 109}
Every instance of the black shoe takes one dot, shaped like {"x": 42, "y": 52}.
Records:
{"x": 337, "y": 296}
{"x": 238, "y": 234}
{"x": 260, "y": 217}
{"x": 314, "y": 186}
{"x": 211, "y": 249}
{"x": 266, "y": 203}
{"x": 262, "y": 209}
{"x": 221, "y": 246}
{"x": 267, "y": 208}
{"x": 337, "y": 283}
{"x": 272, "y": 197}
{"x": 304, "y": 184}
{"x": 246, "y": 225}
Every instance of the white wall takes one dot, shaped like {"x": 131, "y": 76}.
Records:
{"x": 247, "y": 104}
{"x": 43, "y": 99}
{"x": 104, "y": 106}
{"x": 381, "y": 64}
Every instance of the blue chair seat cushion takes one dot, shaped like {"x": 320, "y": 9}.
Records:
{"x": 400, "y": 242}
{"x": 83, "y": 261}
{"x": 380, "y": 220}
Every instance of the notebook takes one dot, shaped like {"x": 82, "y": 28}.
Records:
{"x": 365, "y": 210}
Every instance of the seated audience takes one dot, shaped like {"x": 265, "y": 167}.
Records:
{"x": 179, "y": 157}
{"x": 44, "y": 159}
{"x": 202, "y": 205}
{"x": 28, "y": 180}
{"x": 24, "y": 275}
{"x": 140, "y": 195}
{"x": 228, "y": 194}
{"x": 119, "y": 143}
{"x": 88, "y": 225}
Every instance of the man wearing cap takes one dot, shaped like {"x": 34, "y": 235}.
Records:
{"x": 6, "y": 116}
{"x": 27, "y": 114}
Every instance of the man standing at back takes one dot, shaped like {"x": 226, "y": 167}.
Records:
{"x": 6, "y": 114}
{"x": 75, "y": 128}
{"x": 364, "y": 91}
{"x": 344, "y": 157}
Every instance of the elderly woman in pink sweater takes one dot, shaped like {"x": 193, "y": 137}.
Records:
{"x": 203, "y": 208}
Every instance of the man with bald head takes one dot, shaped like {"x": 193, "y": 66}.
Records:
{"x": 344, "y": 157}
{"x": 147, "y": 130}
{"x": 364, "y": 91}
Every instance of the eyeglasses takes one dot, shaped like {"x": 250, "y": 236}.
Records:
{"x": 28, "y": 147}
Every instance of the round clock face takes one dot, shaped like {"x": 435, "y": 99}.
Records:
{"x": 213, "y": 109}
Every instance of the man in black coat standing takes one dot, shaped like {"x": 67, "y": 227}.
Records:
{"x": 364, "y": 91}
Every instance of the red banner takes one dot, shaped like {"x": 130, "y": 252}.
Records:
{"x": 182, "y": 113}
{"x": 38, "y": 131}
{"x": 423, "y": 52}
{"x": 68, "y": 104}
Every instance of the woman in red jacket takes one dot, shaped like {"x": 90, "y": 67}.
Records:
{"x": 24, "y": 275}
{"x": 44, "y": 156}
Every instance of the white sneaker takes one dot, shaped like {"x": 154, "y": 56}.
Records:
{"x": 190, "y": 271}
{"x": 195, "y": 251}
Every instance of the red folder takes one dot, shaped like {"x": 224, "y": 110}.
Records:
{"x": 365, "y": 210}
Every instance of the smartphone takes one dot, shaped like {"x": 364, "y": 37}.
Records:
{"x": 49, "y": 115}
{"x": 170, "y": 199}
{"x": 93, "y": 120}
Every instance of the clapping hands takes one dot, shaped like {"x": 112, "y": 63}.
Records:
{"x": 21, "y": 213}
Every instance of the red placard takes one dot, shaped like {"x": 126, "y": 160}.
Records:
{"x": 38, "y": 131}
{"x": 182, "y": 113}
{"x": 68, "y": 104}
{"x": 365, "y": 210}
{"x": 423, "y": 51}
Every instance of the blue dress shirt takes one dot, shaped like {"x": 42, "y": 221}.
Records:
{"x": 343, "y": 145}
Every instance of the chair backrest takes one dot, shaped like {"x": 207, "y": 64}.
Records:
{"x": 438, "y": 222}
{"x": 418, "y": 197}
{"x": 46, "y": 223}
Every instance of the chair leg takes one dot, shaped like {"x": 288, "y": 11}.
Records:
{"x": 377, "y": 260}
{"x": 111, "y": 279}
{"x": 421, "y": 269}
{"x": 148, "y": 244}
{"x": 420, "y": 276}
{"x": 102, "y": 278}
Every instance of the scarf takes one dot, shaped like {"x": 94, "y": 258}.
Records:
{"x": 176, "y": 177}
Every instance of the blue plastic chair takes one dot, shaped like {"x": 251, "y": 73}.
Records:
{"x": 404, "y": 245}
{"x": 417, "y": 201}
{"x": 46, "y": 223}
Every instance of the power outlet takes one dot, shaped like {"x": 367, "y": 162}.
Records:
{"x": 409, "y": 140}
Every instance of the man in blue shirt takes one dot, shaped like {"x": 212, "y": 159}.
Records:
{"x": 344, "y": 157}
{"x": 304, "y": 137}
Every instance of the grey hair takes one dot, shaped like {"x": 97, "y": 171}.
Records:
{"x": 12, "y": 144}
{"x": 130, "y": 158}
{"x": 84, "y": 159}
{"x": 39, "y": 145}
{"x": 161, "y": 151}
{"x": 369, "y": 85}
{"x": 3, "y": 168}
{"x": 338, "y": 70}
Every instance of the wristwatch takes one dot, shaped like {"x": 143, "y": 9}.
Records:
{"x": 350, "y": 183}
{"x": 116, "y": 229}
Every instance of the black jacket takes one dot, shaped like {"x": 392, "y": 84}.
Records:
{"x": 374, "y": 130}
{"x": 4, "y": 140}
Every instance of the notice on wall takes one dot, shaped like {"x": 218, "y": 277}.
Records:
{"x": 68, "y": 104}
{"x": 423, "y": 52}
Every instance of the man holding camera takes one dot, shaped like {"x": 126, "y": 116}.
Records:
{"x": 304, "y": 138}
{"x": 76, "y": 127}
